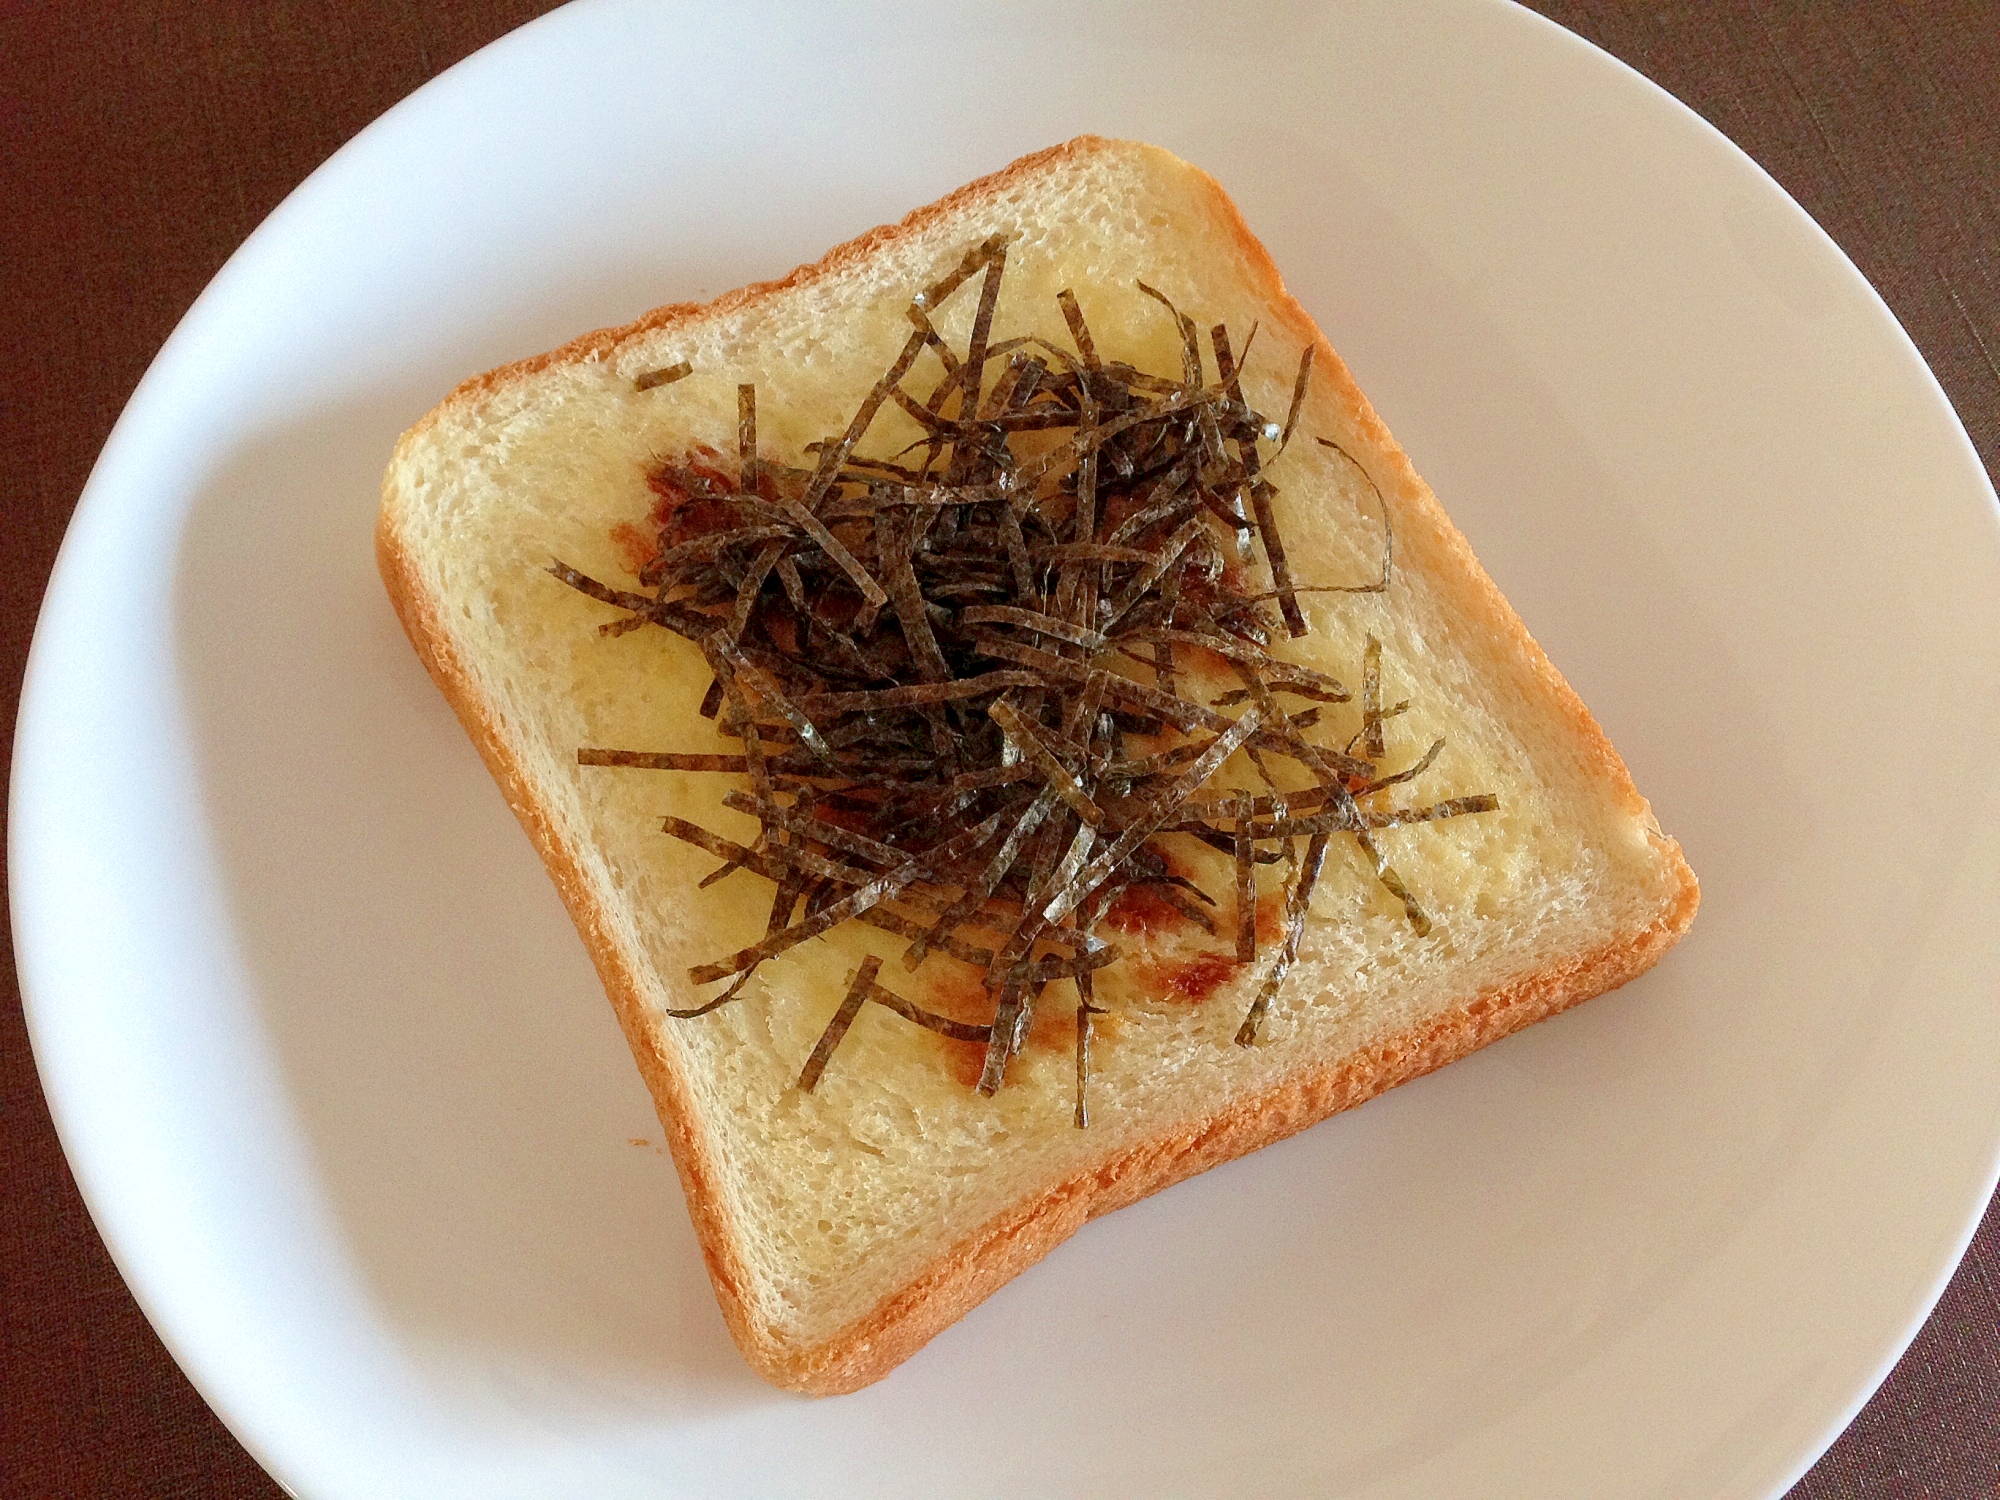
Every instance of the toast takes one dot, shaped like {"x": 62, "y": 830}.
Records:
{"x": 861, "y": 1174}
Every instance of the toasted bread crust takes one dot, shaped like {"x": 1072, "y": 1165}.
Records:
{"x": 959, "y": 1279}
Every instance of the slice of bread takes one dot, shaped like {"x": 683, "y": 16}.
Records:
{"x": 846, "y": 1225}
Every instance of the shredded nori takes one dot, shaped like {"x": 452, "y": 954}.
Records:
{"x": 1085, "y": 1010}
{"x": 850, "y": 1007}
{"x": 666, "y": 376}
{"x": 1246, "y": 880}
{"x": 950, "y": 670}
{"x": 1296, "y": 902}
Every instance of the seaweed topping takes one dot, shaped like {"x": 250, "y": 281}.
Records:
{"x": 976, "y": 682}
{"x": 665, "y": 376}
{"x": 1085, "y": 1010}
{"x": 836, "y": 1029}
{"x": 1245, "y": 807}
{"x": 1296, "y": 901}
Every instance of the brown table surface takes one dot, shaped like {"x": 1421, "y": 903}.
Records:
{"x": 139, "y": 145}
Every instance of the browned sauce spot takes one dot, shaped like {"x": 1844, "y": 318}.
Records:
{"x": 960, "y": 993}
{"x": 1270, "y": 919}
{"x": 1193, "y": 980}
{"x": 853, "y": 819}
{"x": 1118, "y": 508}
{"x": 956, "y": 990}
{"x": 1054, "y": 1026}
{"x": 1142, "y": 911}
{"x": 682, "y": 512}
{"x": 967, "y": 1059}
{"x": 1207, "y": 593}
{"x": 635, "y": 548}
{"x": 1201, "y": 661}
{"x": 784, "y": 631}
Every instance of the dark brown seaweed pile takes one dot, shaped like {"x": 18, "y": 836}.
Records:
{"x": 965, "y": 680}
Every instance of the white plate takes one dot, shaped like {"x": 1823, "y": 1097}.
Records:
{"x": 351, "y": 1112}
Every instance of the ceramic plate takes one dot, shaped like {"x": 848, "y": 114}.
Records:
{"x": 353, "y": 1116}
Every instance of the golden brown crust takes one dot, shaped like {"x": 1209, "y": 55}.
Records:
{"x": 957, "y": 1281}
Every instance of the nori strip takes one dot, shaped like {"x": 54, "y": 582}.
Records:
{"x": 746, "y": 438}
{"x": 896, "y": 538}
{"x": 1393, "y": 883}
{"x": 878, "y": 916}
{"x": 752, "y": 585}
{"x": 1170, "y": 499}
{"x": 1153, "y": 567}
{"x": 832, "y": 457}
{"x": 1000, "y": 400}
{"x": 1246, "y": 881}
{"x": 773, "y": 861}
{"x": 1180, "y": 712}
{"x": 968, "y": 265}
{"x": 868, "y": 895}
{"x": 1032, "y": 619}
{"x": 1371, "y": 700}
{"x": 1078, "y": 329}
{"x": 1279, "y": 676}
{"x": 741, "y": 724}
{"x": 1054, "y": 772}
{"x": 1066, "y": 868}
{"x": 1296, "y": 907}
{"x": 836, "y": 1029}
{"x": 583, "y": 583}
{"x": 695, "y": 1012}
{"x": 972, "y": 429}
{"x": 979, "y": 890}
{"x": 1190, "y": 340}
{"x": 1088, "y": 552}
{"x": 666, "y": 375}
{"x": 797, "y": 820}
{"x": 1010, "y": 1025}
{"x": 1162, "y": 807}
{"x": 1186, "y": 908}
{"x": 785, "y": 897}
{"x": 1017, "y": 556}
{"x": 723, "y": 653}
{"x": 1261, "y": 495}
{"x": 837, "y": 550}
{"x": 1085, "y": 1011}
{"x": 1298, "y": 396}
{"x": 1348, "y": 819}
{"x": 974, "y": 369}
{"x": 1086, "y": 720}
{"x": 1381, "y": 585}
{"x": 917, "y": 694}
{"x": 708, "y": 545}
{"x": 1400, "y": 777}
{"x": 793, "y": 585}
{"x": 958, "y": 1031}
